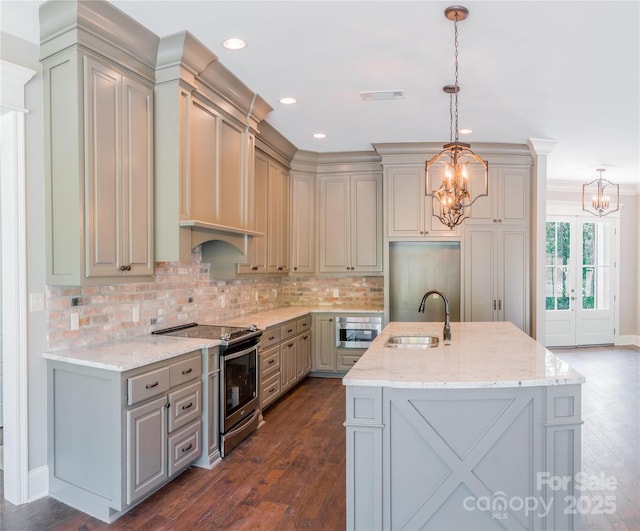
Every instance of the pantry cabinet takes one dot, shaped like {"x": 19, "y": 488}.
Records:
{"x": 496, "y": 274}
{"x": 408, "y": 209}
{"x": 350, "y": 223}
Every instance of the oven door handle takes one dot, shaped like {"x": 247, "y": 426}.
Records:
{"x": 242, "y": 424}
{"x": 234, "y": 355}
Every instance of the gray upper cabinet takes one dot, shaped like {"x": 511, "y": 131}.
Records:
{"x": 98, "y": 146}
{"x": 350, "y": 223}
{"x": 206, "y": 122}
{"x": 302, "y": 223}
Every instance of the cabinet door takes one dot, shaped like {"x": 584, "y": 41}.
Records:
{"x": 324, "y": 343}
{"x": 103, "y": 130}
{"x": 146, "y": 448}
{"x": 334, "y": 230}
{"x": 303, "y": 356}
{"x": 366, "y": 223}
{"x": 405, "y": 202}
{"x": 287, "y": 365}
{"x": 138, "y": 178}
{"x": 257, "y": 246}
{"x": 514, "y": 200}
{"x": 480, "y": 275}
{"x": 303, "y": 223}
{"x": 284, "y": 232}
{"x": 513, "y": 297}
{"x": 231, "y": 177}
{"x": 278, "y": 219}
{"x": 201, "y": 188}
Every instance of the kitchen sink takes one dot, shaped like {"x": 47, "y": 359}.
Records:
{"x": 412, "y": 341}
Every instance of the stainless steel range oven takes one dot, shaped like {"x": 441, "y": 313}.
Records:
{"x": 239, "y": 400}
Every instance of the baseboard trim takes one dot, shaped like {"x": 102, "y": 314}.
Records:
{"x": 38, "y": 483}
{"x": 628, "y": 340}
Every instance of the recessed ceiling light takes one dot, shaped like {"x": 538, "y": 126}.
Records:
{"x": 288, "y": 100}
{"x": 465, "y": 131}
{"x": 234, "y": 43}
{"x": 319, "y": 135}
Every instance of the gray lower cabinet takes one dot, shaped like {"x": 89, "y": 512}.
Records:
{"x": 486, "y": 458}
{"x": 115, "y": 437}
{"x": 285, "y": 358}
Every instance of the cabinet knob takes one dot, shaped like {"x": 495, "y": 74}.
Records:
{"x": 280, "y": 268}
{"x": 499, "y": 221}
{"x": 254, "y": 268}
{"x": 125, "y": 268}
{"x": 495, "y": 221}
{"x": 295, "y": 268}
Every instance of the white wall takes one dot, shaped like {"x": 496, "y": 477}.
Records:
{"x": 629, "y": 244}
{"x": 26, "y": 54}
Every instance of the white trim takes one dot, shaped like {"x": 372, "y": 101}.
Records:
{"x": 14, "y": 284}
{"x": 628, "y": 340}
{"x": 38, "y": 483}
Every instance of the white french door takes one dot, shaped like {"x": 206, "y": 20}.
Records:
{"x": 580, "y": 269}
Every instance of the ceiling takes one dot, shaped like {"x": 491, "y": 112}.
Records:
{"x": 566, "y": 71}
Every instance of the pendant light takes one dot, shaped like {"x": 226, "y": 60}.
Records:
{"x": 456, "y": 165}
{"x": 600, "y": 190}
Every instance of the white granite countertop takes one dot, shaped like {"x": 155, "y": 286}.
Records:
{"x": 277, "y": 316}
{"x": 130, "y": 354}
{"x": 496, "y": 354}
{"x": 126, "y": 354}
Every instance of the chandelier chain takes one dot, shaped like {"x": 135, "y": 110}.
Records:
{"x": 455, "y": 33}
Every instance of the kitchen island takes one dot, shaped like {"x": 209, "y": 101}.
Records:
{"x": 482, "y": 433}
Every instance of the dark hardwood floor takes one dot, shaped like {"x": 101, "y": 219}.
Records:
{"x": 290, "y": 474}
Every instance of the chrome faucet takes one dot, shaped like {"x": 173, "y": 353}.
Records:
{"x": 446, "y": 334}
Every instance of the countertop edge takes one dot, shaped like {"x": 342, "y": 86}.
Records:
{"x": 350, "y": 382}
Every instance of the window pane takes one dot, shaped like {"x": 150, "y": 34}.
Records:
{"x": 588, "y": 244}
{"x": 563, "y": 247}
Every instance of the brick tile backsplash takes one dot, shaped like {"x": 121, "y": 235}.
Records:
{"x": 182, "y": 293}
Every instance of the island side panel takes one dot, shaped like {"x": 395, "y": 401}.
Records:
{"x": 364, "y": 431}
{"x": 563, "y": 442}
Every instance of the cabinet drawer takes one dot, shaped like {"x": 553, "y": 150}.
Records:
{"x": 270, "y": 389}
{"x": 185, "y": 371}
{"x": 147, "y": 385}
{"x": 346, "y": 361}
{"x": 185, "y": 406}
{"x": 303, "y": 324}
{"x": 270, "y": 336}
{"x": 269, "y": 362}
{"x": 184, "y": 446}
{"x": 288, "y": 330}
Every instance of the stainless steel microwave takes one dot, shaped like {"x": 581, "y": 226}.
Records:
{"x": 357, "y": 331}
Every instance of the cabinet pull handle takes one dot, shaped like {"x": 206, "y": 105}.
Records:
{"x": 290, "y": 345}
{"x": 187, "y": 448}
{"x": 331, "y": 320}
{"x": 272, "y": 390}
{"x": 280, "y": 268}
{"x": 187, "y": 371}
{"x": 305, "y": 337}
{"x": 271, "y": 338}
{"x": 272, "y": 361}
{"x": 151, "y": 386}
{"x": 254, "y": 268}
{"x": 289, "y": 330}
{"x": 494, "y": 304}
{"x": 188, "y": 405}
{"x": 500, "y": 304}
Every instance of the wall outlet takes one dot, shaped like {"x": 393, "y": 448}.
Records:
{"x": 75, "y": 321}
{"x": 36, "y": 302}
{"x": 336, "y": 292}
{"x": 136, "y": 314}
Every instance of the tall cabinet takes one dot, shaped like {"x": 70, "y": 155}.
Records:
{"x": 496, "y": 251}
{"x": 99, "y": 145}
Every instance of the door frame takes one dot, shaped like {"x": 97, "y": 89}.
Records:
{"x": 557, "y": 209}
{"x": 14, "y": 285}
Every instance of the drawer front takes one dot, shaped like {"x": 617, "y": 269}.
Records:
{"x": 288, "y": 330}
{"x": 269, "y": 389}
{"x": 185, "y": 446}
{"x": 185, "y": 406}
{"x": 269, "y": 362}
{"x": 269, "y": 337}
{"x": 303, "y": 324}
{"x": 147, "y": 385}
{"x": 346, "y": 361}
{"x": 186, "y": 370}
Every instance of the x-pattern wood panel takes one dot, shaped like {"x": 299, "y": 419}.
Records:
{"x": 462, "y": 469}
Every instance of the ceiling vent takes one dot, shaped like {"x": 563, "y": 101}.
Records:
{"x": 379, "y": 95}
